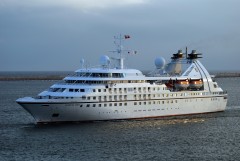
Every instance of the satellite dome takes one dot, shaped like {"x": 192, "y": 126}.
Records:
{"x": 160, "y": 62}
{"x": 104, "y": 60}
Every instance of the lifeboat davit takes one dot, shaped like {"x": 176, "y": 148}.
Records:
{"x": 182, "y": 84}
{"x": 196, "y": 84}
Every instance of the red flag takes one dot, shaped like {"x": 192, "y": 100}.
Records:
{"x": 126, "y": 36}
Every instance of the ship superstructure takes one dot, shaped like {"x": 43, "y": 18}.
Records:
{"x": 182, "y": 86}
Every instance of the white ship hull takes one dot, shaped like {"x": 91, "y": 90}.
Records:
{"x": 113, "y": 92}
{"x": 77, "y": 111}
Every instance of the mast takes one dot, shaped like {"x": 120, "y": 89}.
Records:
{"x": 186, "y": 52}
{"x": 118, "y": 41}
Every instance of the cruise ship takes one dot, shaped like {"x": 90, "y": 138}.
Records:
{"x": 110, "y": 91}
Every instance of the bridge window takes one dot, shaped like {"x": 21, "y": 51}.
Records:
{"x": 82, "y": 90}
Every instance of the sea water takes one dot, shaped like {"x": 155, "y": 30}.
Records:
{"x": 213, "y": 136}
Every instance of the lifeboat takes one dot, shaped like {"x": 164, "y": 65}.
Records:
{"x": 169, "y": 84}
{"x": 182, "y": 84}
{"x": 196, "y": 84}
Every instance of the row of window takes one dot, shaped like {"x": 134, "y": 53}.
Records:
{"x": 158, "y": 109}
{"x": 135, "y": 89}
{"x": 103, "y": 82}
{"x": 53, "y": 97}
{"x": 139, "y": 89}
{"x": 56, "y": 89}
{"x": 105, "y": 104}
{"x": 104, "y": 98}
{"x": 155, "y": 102}
{"x": 125, "y": 103}
{"x": 102, "y": 75}
{"x": 115, "y": 97}
{"x": 137, "y": 97}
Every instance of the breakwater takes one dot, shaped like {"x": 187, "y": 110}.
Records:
{"x": 31, "y": 78}
{"x": 15, "y": 76}
{"x": 227, "y": 74}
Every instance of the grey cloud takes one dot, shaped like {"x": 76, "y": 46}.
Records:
{"x": 57, "y": 37}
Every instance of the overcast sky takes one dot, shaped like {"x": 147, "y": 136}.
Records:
{"x": 54, "y": 35}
